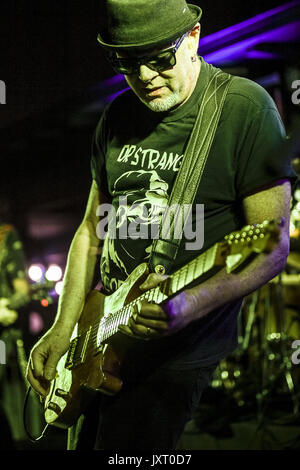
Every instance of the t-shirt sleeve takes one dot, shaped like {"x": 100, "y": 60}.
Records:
{"x": 98, "y": 168}
{"x": 263, "y": 156}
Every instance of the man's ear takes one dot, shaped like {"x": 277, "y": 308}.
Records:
{"x": 194, "y": 36}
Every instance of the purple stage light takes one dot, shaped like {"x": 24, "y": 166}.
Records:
{"x": 111, "y": 97}
{"x": 260, "y": 55}
{"x": 240, "y": 49}
{"x": 256, "y": 22}
{"x": 111, "y": 82}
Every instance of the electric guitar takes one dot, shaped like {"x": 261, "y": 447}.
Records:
{"x": 95, "y": 353}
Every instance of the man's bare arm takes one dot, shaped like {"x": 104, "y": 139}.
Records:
{"x": 194, "y": 303}
{"x": 270, "y": 204}
{"x": 80, "y": 267}
{"x": 77, "y": 282}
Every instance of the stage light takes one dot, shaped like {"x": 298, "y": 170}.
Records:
{"x": 36, "y": 323}
{"x": 35, "y": 272}
{"x": 58, "y": 287}
{"x": 53, "y": 273}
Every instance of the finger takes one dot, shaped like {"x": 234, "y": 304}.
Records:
{"x": 126, "y": 330}
{"x": 149, "y": 310}
{"x": 148, "y": 323}
{"x": 152, "y": 281}
{"x": 37, "y": 361}
{"x": 144, "y": 331}
{"x": 40, "y": 388}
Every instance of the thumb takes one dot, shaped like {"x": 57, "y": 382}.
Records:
{"x": 153, "y": 280}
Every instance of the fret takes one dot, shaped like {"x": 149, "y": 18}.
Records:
{"x": 161, "y": 296}
{"x": 115, "y": 322}
{"x": 149, "y": 295}
{"x": 189, "y": 273}
{"x": 172, "y": 284}
{"x": 99, "y": 338}
{"x": 176, "y": 281}
{"x": 210, "y": 257}
{"x": 123, "y": 320}
{"x": 127, "y": 314}
{"x": 181, "y": 282}
{"x": 194, "y": 264}
{"x": 200, "y": 263}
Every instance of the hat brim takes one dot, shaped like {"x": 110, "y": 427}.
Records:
{"x": 165, "y": 38}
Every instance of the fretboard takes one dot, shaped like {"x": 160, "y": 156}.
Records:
{"x": 171, "y": 286}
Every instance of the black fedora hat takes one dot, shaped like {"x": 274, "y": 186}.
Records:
{"x": 144, "y": 24}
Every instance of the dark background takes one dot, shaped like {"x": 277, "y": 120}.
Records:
{"x": 56, "y": 84}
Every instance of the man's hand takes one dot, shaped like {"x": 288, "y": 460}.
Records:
{"x": 41, "y": 368}
{"x": 150, "y": 320}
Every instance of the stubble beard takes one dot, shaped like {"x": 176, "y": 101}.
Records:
{"x": 161, "y": 105}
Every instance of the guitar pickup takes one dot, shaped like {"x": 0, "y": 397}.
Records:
{"x": 71, "y": 353}
{"x": 77, "y": 350}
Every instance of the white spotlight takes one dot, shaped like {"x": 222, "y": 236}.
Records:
{"x": 53, "y": 273}
{"x": 35, "y": 272}
{"x": 58, "y": 287}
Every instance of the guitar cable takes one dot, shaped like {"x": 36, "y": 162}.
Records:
{"x": 29, "y": 435}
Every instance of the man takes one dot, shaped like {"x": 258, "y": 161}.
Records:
{"x": 138, "y": 146}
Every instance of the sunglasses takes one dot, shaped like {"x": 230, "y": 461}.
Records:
{"x": 159, "y": 62}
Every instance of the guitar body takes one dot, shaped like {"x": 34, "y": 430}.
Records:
{"x": 97, "y": 371}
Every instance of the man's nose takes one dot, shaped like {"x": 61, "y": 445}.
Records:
{"x": 146, "y": 74}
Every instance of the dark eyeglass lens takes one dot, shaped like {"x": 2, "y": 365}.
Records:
{"x": 162, "y": 61}
{"x": 159, "y": 62}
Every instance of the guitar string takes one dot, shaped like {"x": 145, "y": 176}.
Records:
{"x": 152, "y": 292}
{"x": 112, "y": 322}
{"x": 180, "y": 275}
{"x": 125, "y": 310}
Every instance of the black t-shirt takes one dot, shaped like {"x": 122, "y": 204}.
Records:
{"x": 137, "y": 154}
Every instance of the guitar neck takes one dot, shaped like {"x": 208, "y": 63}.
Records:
{"x": 194, "y": 270}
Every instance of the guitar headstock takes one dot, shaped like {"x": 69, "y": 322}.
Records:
{"x": 256, "y": 238}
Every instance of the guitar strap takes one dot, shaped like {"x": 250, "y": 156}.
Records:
{"x": 165, "y": 246}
